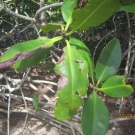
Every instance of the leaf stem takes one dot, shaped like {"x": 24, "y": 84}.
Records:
{"x": 93, "y": 83}
{"x": 70, "y": 33}
{"x": 57, "y": 38}
{"x": 99, "y": 89}
{"x": 66, "y": 28}
{"x": 67, "y": 42}
{"x": 97, "y": 83}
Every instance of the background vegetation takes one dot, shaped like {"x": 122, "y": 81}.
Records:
{"x": 15, "y": 28}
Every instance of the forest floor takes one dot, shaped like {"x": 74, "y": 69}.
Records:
{"x": 28, "y": 121}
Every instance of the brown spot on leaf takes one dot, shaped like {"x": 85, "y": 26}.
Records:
{"x": 78, "y": 61}
{"x": 25, "y": 55}
{"x": 66, "y": 103}
{"x": 9, "y": 63}
{"x": 62, "y": 82}
{"x": 75, "y": 109}
{"x": 81, "y": 3}
{"x": 43, "y": 43}
{"x": 80, "y": 69}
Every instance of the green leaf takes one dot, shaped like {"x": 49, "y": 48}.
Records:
{"x": 26, "y": 54}
{"x": 51, "y": 26}
{"x": 129, "y": 7}
{"x": 85, "y": 54}
{"x": 109, "y": 60}
{"x": 27, "y": 46}
{"x": 94, "y": 13}
{"x": 95, "y": 117}
{"x": 115, "y": 86}
{"x": 67, "y": 9}
{"x": 72, "y": 84}
{"x": 35, "y": 102}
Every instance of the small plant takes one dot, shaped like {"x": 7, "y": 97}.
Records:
{"x": 76, "y": 66}
{"x": 35, "y": 101}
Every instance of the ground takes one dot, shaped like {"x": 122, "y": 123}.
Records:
{"x": 42, "y": 122}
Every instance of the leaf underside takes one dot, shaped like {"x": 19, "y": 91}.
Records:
{"x": 72, "y": 84}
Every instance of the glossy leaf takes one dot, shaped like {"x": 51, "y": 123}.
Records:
{"x": 85, "y": 54}
{"x": 51, "y": 26}
{"x": 129, "y": 7}
{"x": 95, "y": 117}
{"x": 115, "y": 86}
{"x": 30, "y": 52}
{"x": 94, "y": 13}
{"x": 109, "y": 60}
{"x": 72, "y": 84}
{"x": 67, "y": 9}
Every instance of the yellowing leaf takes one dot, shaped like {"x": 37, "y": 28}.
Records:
{"x": 115, "y": 86}
{"x": 72, "y": 84}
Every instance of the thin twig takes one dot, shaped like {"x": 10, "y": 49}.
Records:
{"x": 120, "y": 119}
{"x": 100, "y": 42}
{"x": 54, "y": 54}
{"x": 9, "y": 102}
{"x": 35, "y": 2}
{"x": 26, "y": 98}
{"x": 24, "y": 77}
{"x": 9, "y": 34}
{"x": 42, "y": 14}
{"x": 42, "y": 81}
{"x": 17, "y": 15}
{"x": 47, "y": 7}
{"x": 131, "y": 62}
{"x": 72, "y": 129}
{"x": 45, "y": 96}
{"x": 126, "y": 74}
{"x": 129, "y": 47}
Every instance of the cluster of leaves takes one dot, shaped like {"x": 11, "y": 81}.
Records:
{"x": 76, "y": 66}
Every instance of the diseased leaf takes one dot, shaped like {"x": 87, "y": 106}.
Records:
{"x": 72, "y": 84}
{"x": 26, "y": 46}
{"x": 109, "y": 60}
{"x": 95, "y": 117}
{"x": 115, "y": 86}
{"x": 51, "y": 26}
{"x": 81, "y": 3}
{"x": 85, "y": 54}
{"x": 94, "y": 13}
{"x": 26, "y": 54}
{"x": 32, "y": 60}
{"x": 8, "y": 63}
{"x": 129, "y": 7}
